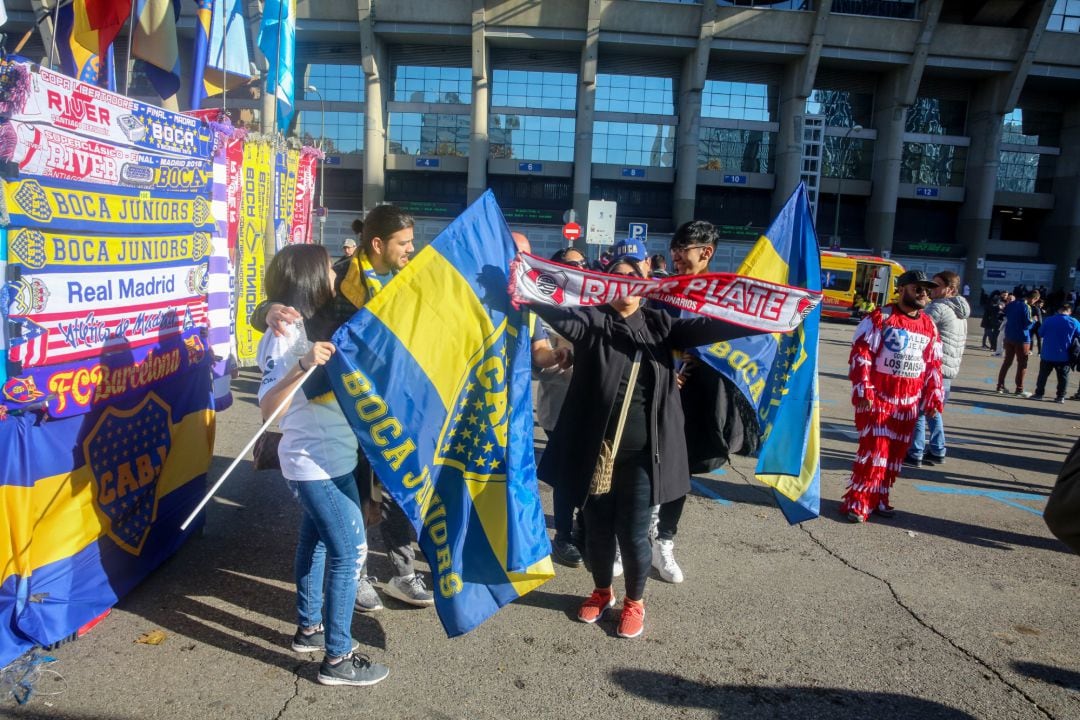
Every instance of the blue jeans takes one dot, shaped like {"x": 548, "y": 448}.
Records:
{"x": 332, "y": 528}
{"x": 936, "y": 428}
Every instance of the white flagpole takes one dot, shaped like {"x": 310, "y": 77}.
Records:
{"x": 247, "y": 448}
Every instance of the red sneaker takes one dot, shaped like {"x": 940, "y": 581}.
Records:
{"x": 632, "y": 622}
{"x": 594, "y": 608}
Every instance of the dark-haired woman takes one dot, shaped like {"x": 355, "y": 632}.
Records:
{"x": 318, "y": 454}
{"x": 651, "y": 466}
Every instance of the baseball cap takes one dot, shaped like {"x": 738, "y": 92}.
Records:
{"x": 915, "y": 277}
{"x": 628, "y": 250}
{"x": 348, "y": 242}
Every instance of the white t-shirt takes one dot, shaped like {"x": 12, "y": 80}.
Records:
{"x": 316, "y": 441}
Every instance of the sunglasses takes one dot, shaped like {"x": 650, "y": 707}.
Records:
{"x": 575, "y": 263}
{"x": 687, "y": 248}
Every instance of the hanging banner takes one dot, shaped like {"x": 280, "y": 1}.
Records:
{"x": 304, "y": 196}
{"x": 61, "y": 102}
{"x": 285, "y": 166}
{"x": 34, "y": 249}
{"x": 735, "y": 298}
{"x": 51, "y": 204}
{"x": 75, "y": 388}
{"x": 234, "y": 164}
{"x": 255, "y": 203}
{"x": 51, "y": 153}
{"x": 220, "y": 284}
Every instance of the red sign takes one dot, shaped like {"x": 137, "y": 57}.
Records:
{"x": 571, "y": 231}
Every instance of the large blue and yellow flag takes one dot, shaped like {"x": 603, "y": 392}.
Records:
{"x": 277, "y": 40}
{"x": 91, "y": 504}
{"x": 220, "y": 61}
{"x": 434, "y": 376}
{"x": 778, "y": 373}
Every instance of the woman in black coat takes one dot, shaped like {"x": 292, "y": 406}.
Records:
{"x": 651, "y": 465}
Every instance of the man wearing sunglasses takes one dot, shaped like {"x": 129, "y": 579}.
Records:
{"x": 895, "y": 375}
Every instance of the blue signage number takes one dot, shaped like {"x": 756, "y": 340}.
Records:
{"x": 427, "y": 162}
{"x": 332, "y": 160}
{"x": 633, "y": 172}
{"x": 997, "y": 274}
{"x": 926, "y": 191}
{"x": 530, "y": 167}
{"x": 639, "y": 231}
{"x": 735, "y": 179}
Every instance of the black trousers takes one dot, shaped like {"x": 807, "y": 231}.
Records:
{"x": 670, "y": 512}
{"x": 622, "y": 513}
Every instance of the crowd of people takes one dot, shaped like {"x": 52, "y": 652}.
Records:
{"x": 615, "y": 382}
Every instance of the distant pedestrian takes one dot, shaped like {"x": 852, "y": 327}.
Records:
{"x": 1019, "y": 320}
{"x": 658, "y": 266}
{"x": 1058, "y": 331}
{"x": 895, "y": 375}
{"x": 950, "y": 312}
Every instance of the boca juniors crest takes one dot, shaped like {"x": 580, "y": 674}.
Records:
{"x": 474, "y": 436}
{"x": 126, "y": 452}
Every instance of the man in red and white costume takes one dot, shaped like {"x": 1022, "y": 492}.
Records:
{"x": 895, "y": 376}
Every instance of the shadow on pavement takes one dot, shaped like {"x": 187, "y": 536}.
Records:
{"x": 1068, "y": 679}
{"x": 231, "y": 586}
{"x": 987, "y": 537}
{"x": 749, "y": 701}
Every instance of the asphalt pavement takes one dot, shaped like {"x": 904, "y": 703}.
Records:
{"x": 962, "y": 606}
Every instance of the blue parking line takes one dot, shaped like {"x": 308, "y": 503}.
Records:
{"x": 1003, "y": 496}
{"x": 709, "y": 493}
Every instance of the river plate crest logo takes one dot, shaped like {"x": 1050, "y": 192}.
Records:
{"x": 126, "y": 451}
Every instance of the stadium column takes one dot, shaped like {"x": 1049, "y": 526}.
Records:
{"x": 1060, "y": 238}
{"x": 896, "y": 92}
{"x": 694, "y": 71}
{"x": 973, "y": 225}
{"x": 478, "y": 138}
{"x": 586, "y": 102}
{"x": 889, "y": 118}
{"x": 372, "y": 62}
{"x": 798, "y": 83}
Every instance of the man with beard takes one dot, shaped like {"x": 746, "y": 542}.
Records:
{"x": 895, "y": 375}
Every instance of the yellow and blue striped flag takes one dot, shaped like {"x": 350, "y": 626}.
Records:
{"x": 220, "y": 61}
{"x": 434, "y": 376}
{"x": 778, "y": 373}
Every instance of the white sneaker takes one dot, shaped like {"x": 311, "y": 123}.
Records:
{"x": 663, "y": 559}
{"x": 616, "y": 568}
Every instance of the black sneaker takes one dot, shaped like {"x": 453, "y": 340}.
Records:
{"x": 566, "y": 553}
{"x": 912, "y": 462}
{"x": 1037, "y": 396}
{"x": 354, "y": 669}
{"x": 303, "y": 643}
{"x": 934, "y": 459}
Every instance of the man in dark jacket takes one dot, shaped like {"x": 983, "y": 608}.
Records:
{"x": 719, "y": 420}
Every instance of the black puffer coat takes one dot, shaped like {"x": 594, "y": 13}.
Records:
{"x": 604, "y": 346}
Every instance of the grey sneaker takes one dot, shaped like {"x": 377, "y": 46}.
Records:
{"x": 410, "y": 590}
{"x": 367, "y": 600}
{"x": 308, "y": 643}
{"x": 353, "y": 669}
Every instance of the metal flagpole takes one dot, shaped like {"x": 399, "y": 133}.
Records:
{"x": 247, "y": 448}
{"x": 131, "y": 42}
{"x": 55, "y": 12}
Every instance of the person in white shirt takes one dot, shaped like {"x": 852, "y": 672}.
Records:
{"x": 318, "y": 453}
